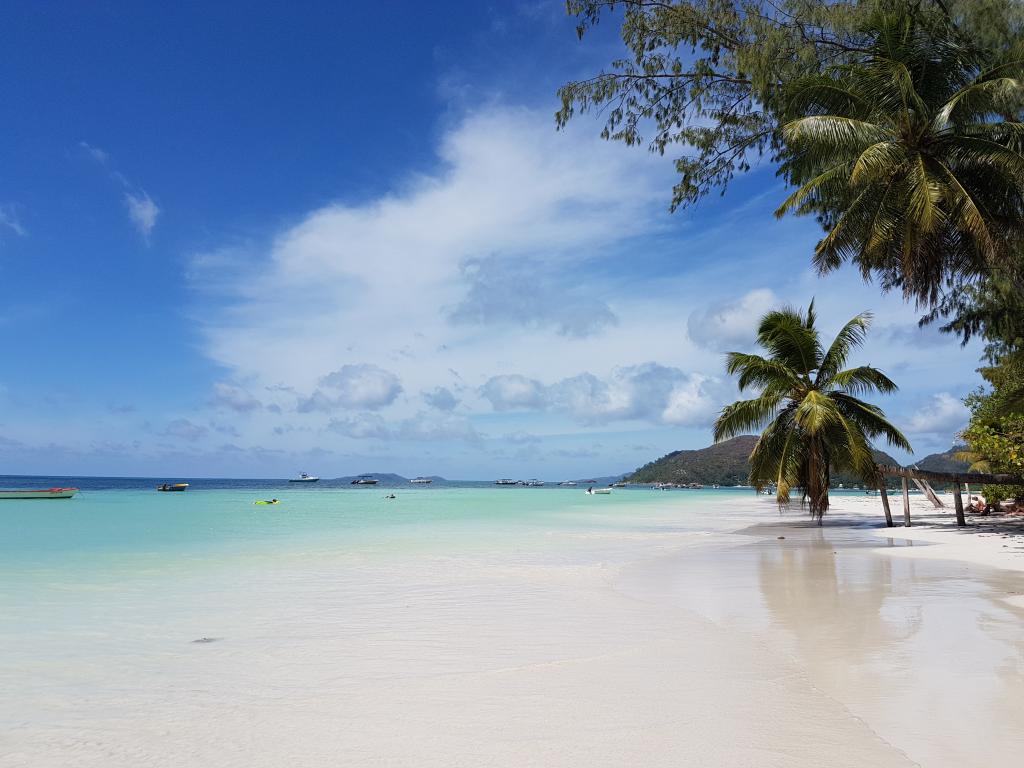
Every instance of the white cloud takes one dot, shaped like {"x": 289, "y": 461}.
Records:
{"x": 97, "y": 154}
{"x": 234, "y": 398}
{"x": 363, "y": 386}
{"x": 942, "y": 415}
{"x": 521, "y": 293}
{"x": 732, "y": 323}
{"x": 511, "y": 392}
{"x": 440, "y": 398}
{"x": 142, "y": 211}
{"x": 421, "y": 427}
{"x": 648, "y": 392}
{"x": 9, "y": 219}
{"x": 413, "y": 281}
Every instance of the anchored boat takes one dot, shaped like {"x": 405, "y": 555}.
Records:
{"x": 364, "y": 480}
{"x": 421, "y": 480}
{"x": 304, "y": 478}
{"x": 47, "y": 493}
{"x": 172, "y": 487}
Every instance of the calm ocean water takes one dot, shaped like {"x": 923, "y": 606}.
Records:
{"x": 115, "y": 522}
{"x": 122, "y": 523}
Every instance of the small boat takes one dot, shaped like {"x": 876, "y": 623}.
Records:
{"x": 421, "y": 480}
{"x": 533, "y": 483}
{"x": 46, "y": 493}
{"x": 596, "y": 491}
{"x": 505, "y": 481}
{"x": 619, "y": 484}
{"x": 304, "y": 478}
{"x": 267, "y": 501}
{"x": 365, "y": 480}
{"x": 567, "y": 484}
{"x": 172, "y": 487}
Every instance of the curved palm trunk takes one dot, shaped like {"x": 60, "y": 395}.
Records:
{"x": 818, "y": 476}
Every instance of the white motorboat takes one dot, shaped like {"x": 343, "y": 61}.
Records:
{"x": 365, "y": 480}
{"x": 304, "y": 478}
{"x": 421, "y": 480}
{"x": 596, "y": 491}
{"x": 46, "y": 493}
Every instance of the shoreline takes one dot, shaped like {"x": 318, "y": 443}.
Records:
{"x": 672, "y": 632}
{"x": 992, "y": 541}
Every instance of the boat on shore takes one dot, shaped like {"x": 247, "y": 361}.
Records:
{"x": 43, "y": 493}
{"x": 365, "y": 480}
{"x": 421, "y": 480}
{"x": 304, "y": 478}
{"x": 172, "y": 487}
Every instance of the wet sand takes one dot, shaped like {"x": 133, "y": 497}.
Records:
{"x": 650, "y": 644}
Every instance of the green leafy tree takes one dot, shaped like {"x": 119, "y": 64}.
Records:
{"x": 708, "y": 76}
{"x": 911, "y": 159}
{"x": 995, "y": 434}
{"x": 808, "y": 406}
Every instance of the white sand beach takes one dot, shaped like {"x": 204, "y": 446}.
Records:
{"x": 647, "y": 642}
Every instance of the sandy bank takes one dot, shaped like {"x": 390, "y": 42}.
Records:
{"x": 996, "y": 542}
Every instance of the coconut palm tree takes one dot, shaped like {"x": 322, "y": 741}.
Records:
{"x": 807, "y": 403}
{"x": 912, "y": 158}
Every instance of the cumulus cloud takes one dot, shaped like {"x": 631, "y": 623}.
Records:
{"x": 233, "y": 398}
{"x": 942, "y": 415}
{"x": 363, "y": 386}
{"x": 648, "y": 392}
{"x": 731, "y": 323}
{"x": 440, "y": 398}
{"x": 417, "y": 281}
{"x": 512, "y": 392}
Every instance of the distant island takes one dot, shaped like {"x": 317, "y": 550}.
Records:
{"x": 726, "y": 464}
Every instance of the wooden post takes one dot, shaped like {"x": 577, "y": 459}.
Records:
{"x": 906, "y": 502}
{"x": 928, "y": 491}
{"x": 885, "y": 505}
{"x": 959, "y": 502}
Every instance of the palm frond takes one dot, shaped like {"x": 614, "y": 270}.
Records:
{"x": 850, "y": 336}
{"x": 862, "y": 380}
{"x": 745, "y": 416}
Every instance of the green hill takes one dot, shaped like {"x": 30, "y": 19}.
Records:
{"x": 725, "y": 464}
{"x": 944, "y": 462}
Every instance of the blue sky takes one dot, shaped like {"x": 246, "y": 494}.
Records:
{"x": 249, "y": 240}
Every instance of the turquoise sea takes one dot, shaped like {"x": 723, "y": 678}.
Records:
{"x": 125, "y": 525}
{"x": 197, "y": 628}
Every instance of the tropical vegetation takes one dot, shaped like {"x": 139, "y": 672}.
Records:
{"x": 710, "y": 77}
{"x": 808, "y": 407}
{"x": 908, "y": 161}
{"x": 899, "y": 124}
